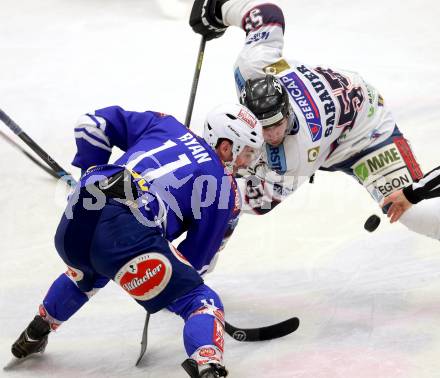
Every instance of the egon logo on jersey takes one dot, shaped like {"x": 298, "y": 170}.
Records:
{"x": 145, "y": 276}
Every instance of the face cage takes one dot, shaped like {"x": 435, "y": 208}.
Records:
{"x": 237, "y": 150}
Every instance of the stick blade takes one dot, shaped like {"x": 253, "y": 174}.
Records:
{"x": 271, "y": 332}
{"x": 144, "y": 340}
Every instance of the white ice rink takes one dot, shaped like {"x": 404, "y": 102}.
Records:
{"x": 369, "y": 303}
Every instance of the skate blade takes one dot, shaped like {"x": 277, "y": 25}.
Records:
{"x": 14, "y": 362}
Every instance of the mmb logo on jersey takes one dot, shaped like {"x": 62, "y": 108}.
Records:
{"x": 304, "y": 100}
{"x": 361, "y": 171}
{"x": 378, "y": 163}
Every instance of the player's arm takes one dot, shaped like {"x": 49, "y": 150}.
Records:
{"x": 427, "y": 187}
{"x": 211, "y": 226}
{"x": 263, "y": 23}
{"x": 257, "y": 195}
{"x": 402, "y": 200}
{"x": 98, "y": 132}
{"x": 262, "y": 189}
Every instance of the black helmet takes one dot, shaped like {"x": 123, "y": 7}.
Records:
{"x": 267, "y": 98}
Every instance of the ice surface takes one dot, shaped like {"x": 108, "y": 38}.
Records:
{"x": 369, "y": 303}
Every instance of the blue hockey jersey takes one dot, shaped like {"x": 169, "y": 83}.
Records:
{"x": 171, "y": 163}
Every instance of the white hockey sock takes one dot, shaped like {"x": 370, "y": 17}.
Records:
{"x": 207, "y": 354}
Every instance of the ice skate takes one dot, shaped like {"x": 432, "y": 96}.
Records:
{"x": 33, "y": 339}
{"x": 206, "y": 371}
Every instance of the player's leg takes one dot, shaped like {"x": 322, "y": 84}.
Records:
{"x": 203, "y": 333}
{"x": 157, "y": 276}
{"x": 69, "y": 292}
{"x": 63, "y": 299}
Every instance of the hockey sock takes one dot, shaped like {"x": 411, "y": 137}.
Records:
{"x": 62, "y": 300}
{"x": 203, "y": 333}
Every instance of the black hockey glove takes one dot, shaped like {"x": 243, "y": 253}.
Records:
{"x": 206, "y": 18}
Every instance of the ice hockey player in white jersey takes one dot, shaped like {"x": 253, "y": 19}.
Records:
{"x": 313, "y": 117}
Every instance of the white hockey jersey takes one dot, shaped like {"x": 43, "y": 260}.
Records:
{"x": 338, "y": 113}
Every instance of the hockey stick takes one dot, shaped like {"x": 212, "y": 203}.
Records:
{"x": 189, "y": 110}
{"x": 273, "y": 331}
{"x": 17, "y": 146}
{"x": 57, "y": 169}
{"x": 144, "y": 339}
{"x": 195, "y": 83}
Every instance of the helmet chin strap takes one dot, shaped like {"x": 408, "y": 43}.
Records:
{"x": 236, "y": 150}
{"x": 291, "y": 123}
{"x": 229, "y": 166}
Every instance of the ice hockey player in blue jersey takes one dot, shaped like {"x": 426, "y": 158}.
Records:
{"x": 122, "y": 217}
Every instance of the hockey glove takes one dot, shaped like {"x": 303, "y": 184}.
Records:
{"x": 206, "y": 18}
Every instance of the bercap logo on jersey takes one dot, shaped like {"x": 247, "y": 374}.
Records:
{"x": 145, "y": 276}
{"x": 304, "y": 100}
{"x": 329, "y": 110}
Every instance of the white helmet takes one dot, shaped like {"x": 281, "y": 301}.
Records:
{"x": 236, "y": 123}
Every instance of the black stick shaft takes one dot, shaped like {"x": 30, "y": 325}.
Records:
{"x": 59, "y": 171}
{"x": 189, "y": 110}
{"x": 195, "y": 83}
{"x": 37, "y": 162}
